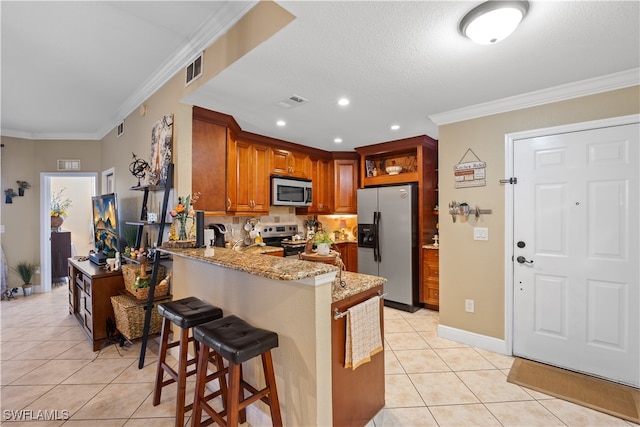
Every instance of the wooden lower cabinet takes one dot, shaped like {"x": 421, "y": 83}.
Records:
{"x": 90, "y": 292}
{"x": 357, "y": 395}
{"x": 349, "y": 253}
{"x": 431, "y": 277}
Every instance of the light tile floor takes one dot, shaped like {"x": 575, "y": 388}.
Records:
{"x": 46, "y": 364}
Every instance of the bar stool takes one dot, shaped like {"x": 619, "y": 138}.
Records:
{"x": 236, "y": 341}
{"x": 185, "y": 314}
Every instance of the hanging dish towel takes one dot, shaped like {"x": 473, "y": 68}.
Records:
{"x": 363, "y": 338}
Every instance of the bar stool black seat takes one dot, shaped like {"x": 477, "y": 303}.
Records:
{"x": 185, "y": 314}
{"x": 236, "y": 341}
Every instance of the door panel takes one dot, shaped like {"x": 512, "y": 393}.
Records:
{"x": 576, "y": 293}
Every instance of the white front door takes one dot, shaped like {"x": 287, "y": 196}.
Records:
{"x": 576, "y": 258}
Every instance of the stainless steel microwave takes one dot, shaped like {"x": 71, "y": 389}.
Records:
{"x": 290, "y": 191}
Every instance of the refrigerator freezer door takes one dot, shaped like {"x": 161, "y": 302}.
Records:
{"x": 396, "y": 229}
{"x": 367, "y": 208}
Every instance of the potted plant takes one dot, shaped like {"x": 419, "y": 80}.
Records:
{"x": 22, "y": 185}
{"x": 26, "y": 270}
{"x": 9, "y": 194}
{"x": 58, "y": 209}
{"x": 323, "y": 242}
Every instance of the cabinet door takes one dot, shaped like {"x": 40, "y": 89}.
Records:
{"x": 300, "y": 165}
{"x": 352, "y": 251}
{"x": 279, "y": 161}
{"x": 208, "y": 175}
{"x": 60, "y": 253}
{"x": 247, "y": 178}
{"x": 260, "y": 180}
{"x": 345, "y": 186}
{"x": 289, "y": 163}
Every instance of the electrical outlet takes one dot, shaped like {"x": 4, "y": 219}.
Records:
{"x": 469, "y": 306}
{"x": 37, "y": 270}
{"x": 480, "y": 233}
{"x": 1, "y": 228}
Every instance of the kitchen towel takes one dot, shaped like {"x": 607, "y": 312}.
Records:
{"x": 363, "y": 338}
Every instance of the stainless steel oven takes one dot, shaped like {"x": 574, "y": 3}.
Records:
{"x": 283, "y": 236}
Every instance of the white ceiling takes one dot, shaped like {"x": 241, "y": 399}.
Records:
{"x": 76, "y": 69}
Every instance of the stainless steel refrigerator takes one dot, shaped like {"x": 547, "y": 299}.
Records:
{"x": 388, "y": 241}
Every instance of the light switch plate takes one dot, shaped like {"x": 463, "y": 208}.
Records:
{"x": 480, "y": 233}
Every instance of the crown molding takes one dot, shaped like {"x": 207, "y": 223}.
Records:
{"x": 213, "y": 28}
{"x": 564, "y": 92}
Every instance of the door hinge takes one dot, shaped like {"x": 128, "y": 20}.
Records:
{"x": 512, "y": 180}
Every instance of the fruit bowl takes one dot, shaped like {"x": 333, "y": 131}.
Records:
{"x": 393, "y": 170}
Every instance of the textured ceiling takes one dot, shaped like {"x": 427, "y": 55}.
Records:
{"x": 399, "y": 63}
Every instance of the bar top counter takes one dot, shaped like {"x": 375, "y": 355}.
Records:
{"x": 253, "y": 261}
{"x": 291, "y": 297}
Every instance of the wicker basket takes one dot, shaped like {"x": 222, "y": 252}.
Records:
{"x": 130, "y": 316}
{"x": 131, "y": 271}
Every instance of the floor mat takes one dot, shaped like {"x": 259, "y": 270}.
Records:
{"x": 605, "y": 396}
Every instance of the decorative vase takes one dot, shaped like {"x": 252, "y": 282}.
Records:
{"x": 27, "y": 289}
{"x": 323, "y": 248}
{"x": 182, "y": 232}
{"x": 20, "y": 192}
{"x": 56, "y": 222}
{"x": 8, "y": 199}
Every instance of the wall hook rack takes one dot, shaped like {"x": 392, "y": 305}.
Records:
{"x": 463, "y": 209}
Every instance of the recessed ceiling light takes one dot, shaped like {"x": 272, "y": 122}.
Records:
{"x": 395, "y": 127}
{"x": 343, "y": 101}
{"x": 337, "y": 140}
{"x": 281, "y": 123}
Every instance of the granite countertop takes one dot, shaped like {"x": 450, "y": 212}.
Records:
{"x": 253, "y": 261}
{"x": 354, "y": 284}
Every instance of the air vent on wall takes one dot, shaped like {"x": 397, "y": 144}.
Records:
{"x": 193, "y": 70}
{"x": 120, "y": 129}
{"x": 68, "y": 165}
{"x": 292, "y": 101}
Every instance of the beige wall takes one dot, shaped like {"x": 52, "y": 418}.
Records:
{"x": 24, "y": 160}
{"x": 475, "y": 269}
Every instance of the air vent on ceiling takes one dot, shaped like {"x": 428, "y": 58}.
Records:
{"x": 292, "y": 101}
{"x": 68, "y": 165}
{"x": 193, "y": 70}
{"x": 120, "y": 129}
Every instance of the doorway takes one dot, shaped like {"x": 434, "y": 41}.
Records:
{"x": 574, "y": 281}
{"x": 79, "y": 188}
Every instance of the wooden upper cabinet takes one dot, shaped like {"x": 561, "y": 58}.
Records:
{"x": 247, "y": 178}
{"x": 345, "y": 186}
{"x": 322, "y": 195}
{"x": 289, "y": 163}
{"x": 209, "y": 142}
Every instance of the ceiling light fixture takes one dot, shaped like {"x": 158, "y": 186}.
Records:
{"x": 337, "y": 140}
{"x": 281, "y": 123}
{"x": 493, "y": 21}
{"x": 343, "y": 101}
{"x": 395, "y": 127}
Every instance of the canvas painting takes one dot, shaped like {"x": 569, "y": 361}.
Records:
{"x": 161, "y": 141}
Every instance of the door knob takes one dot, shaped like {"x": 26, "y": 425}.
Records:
{"x": 523, "y": 260}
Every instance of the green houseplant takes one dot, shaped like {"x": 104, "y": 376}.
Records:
{"x": 323, "y": 242}
{"x": 26, "y": 271}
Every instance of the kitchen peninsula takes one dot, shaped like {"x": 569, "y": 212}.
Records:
{"x": 295, "y": 299}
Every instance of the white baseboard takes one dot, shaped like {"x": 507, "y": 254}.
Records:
{"x": 476, "y": 340}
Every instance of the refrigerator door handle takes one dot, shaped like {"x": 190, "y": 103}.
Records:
{"x": 377, "y": 236}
